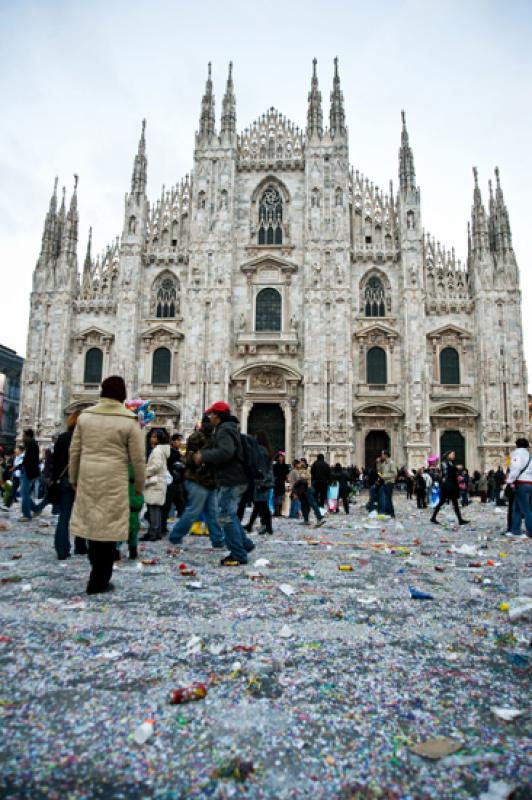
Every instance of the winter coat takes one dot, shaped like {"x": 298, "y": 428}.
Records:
{"x": 226, "y": 455}
{"x": 156, "y": 469}
{"x": 388, "y": 471}
{"x": 61, "y": 449}
{"x": 31, "y": 461}
{"x": 519, "y": 471}
{"x": 449, "y": 482}
{"x": 107, "y": 437}
{"x": 280, "y": 474}
{"x": 204, "y": 474}
{"x": 320, "y": 472}
{"x": 343, "y": 482}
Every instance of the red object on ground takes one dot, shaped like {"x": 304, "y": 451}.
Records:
{"x": 187, "y": 694}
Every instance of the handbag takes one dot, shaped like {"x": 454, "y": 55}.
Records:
{"x": 53, "y": 492}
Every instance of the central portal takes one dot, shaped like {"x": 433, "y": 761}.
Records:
{"x": 376, "y": 442}
{"x": 268, "y": 417}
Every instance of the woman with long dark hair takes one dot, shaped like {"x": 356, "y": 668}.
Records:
{"x": 262, "y": 487}
{"x": 66, "y": 493}
{"x": 155, "y": 491}
{"x": 449, "y": 488}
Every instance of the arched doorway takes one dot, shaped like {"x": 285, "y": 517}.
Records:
{"x": 268, "y": 417}
{"x": 376, "y": 442}
{"x": 453, "y": 440}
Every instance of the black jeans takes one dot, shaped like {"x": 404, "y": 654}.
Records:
{"x": 245, "y": 501}
{"x": 443, "y": 499}
{"x": 421, "y": 498}
{"x": 320, "y": 493}
{"x": 101, "y": 556}
{"x": 262, "y": 509}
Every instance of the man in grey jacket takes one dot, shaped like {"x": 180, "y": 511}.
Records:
{"x": 388, "y": 473}
{"x": 227, "y": 458}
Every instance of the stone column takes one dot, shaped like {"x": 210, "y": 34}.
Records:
{"x": 287, "y": 409}
{"x": 244, "y": 414}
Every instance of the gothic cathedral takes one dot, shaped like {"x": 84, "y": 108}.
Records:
{"x": 278, "y": 278}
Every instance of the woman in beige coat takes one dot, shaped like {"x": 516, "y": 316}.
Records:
{"x": 106, "y": 439}
{"x": 155, "y": 492}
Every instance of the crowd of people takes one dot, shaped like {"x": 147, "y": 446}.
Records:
{"x": 99, "y": 475}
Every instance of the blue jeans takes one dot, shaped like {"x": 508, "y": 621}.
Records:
{"x": 235, "y": 538}
{"x": 522, "y": 509}
{"x": 385, "y": 499}
{"x": 372, "y": 503}
{"x": 308, "y": 501}
{"x": 199, "y": 499}
{"x": 295, "y": 508}
{"x": 28, "y": 504}
{"x": 62, "y": 530}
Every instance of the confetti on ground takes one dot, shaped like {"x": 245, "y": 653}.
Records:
{"x": 322, "y": 681}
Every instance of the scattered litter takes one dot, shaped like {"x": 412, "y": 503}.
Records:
{"x": 436, "y": 748}
{"x": 416, "y": 594}
{"x": 187, "y": 694}
{"x": 287, "y": 589}
{"x": 144, "y": 731}
{"x": 286, "y": 632}
{"x": 345, "y": 660}
{"x": 507, "y": 714}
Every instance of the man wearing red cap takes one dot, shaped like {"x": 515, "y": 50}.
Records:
{"x": 227, "y": 458}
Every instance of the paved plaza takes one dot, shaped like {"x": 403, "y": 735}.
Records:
{"x": 324, "y": 675}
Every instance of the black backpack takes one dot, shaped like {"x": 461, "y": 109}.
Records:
{"x": 252, "y": 458}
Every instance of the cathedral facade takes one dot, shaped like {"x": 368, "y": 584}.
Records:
{"x": 277, "y": 277}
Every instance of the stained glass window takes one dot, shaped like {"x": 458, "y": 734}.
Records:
{"x": 271, "y": 217}
{"x": 162, "y": 359}
{"x": 376, "y": 366}
{"x": 93, "y": 365}
{"x": 374, "y": 298}
{"x": 449, "y": 366}
{"x": 268, "y": 310}
{"x": 166, "y": 298}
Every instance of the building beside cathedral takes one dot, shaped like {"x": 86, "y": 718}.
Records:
{"x": 279, "y": 278}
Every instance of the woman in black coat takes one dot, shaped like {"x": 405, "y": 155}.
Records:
{"x": 449, "y": 489}
{"x": 280, "y": 474}
{"x": 66, "y": 493}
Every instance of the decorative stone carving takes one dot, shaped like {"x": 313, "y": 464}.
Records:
{"x": 266, "y": 378}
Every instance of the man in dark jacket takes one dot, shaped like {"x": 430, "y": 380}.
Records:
{"x": 175, "y": 491}
{"x": 227, "y": 457}
{"x": 449, "y": 488}
{"x": 200, "y": 483}
{"x": 29, "y": 473}
{"x": 320, "y": 473}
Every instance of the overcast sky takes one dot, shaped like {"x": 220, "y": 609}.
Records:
{"x": 77, "y": 77}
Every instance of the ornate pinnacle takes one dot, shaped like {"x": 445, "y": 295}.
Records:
{"x": 314, "y": 113}
{"x": 337, "y": 113}
{"x": 139, "y": 177}
{"x": 407, "y": 172}
{"x": 228, "y": 125}
{"x": 207, "y": 116}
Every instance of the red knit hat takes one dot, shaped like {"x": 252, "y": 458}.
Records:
{"x": 219, "y": 408}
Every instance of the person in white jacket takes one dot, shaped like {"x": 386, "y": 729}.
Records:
{"x": 155, "y": 488}
{"x": 520, "y": 477}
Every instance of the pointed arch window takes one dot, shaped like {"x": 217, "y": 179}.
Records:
{"x": 93, "y": 366}
{"x": 376, "y": 366}
{"x": 374, "y": 298}
{"x": 270, "y": 217}
{"x": 160, "y": 371}
{"x": 449, "y": 367}
{"x": 165, "y": 302}
{"x": 268, "y": 310}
